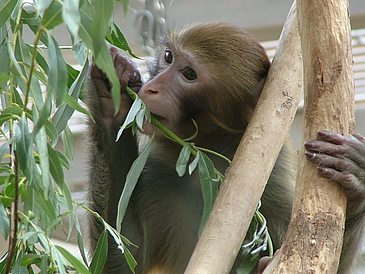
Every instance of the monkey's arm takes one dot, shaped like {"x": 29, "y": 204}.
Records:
{"x": 110, "y": 161}
{"x": 342, "y": 159}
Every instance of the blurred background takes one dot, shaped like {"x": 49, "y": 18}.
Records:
{"x": 264, "y": 19}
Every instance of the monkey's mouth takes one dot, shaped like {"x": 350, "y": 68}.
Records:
{"x": 149, "y": 126}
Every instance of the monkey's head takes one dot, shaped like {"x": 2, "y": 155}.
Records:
{"x": 212, "y": 73}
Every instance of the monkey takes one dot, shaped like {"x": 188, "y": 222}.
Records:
{"x": 211, "y": 73}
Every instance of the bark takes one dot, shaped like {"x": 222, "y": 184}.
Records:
{"x": 237, "y": 200}
{"x": 314, "y": 238}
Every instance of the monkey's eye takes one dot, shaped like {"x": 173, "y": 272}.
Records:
{"x": 169, "y": 57}
{"x": 189, "y": 74}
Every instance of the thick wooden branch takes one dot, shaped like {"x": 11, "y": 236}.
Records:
{"x": 251, "y": 167}
{"x": 314, "y": 239}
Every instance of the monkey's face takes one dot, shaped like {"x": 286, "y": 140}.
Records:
{"x": 178, "y": 77}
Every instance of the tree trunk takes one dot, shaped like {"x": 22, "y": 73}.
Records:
{"x": 314, "y": 238}
{"x": 237, "y": 200}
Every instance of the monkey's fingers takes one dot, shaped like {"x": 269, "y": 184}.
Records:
{"x": 126, "y": 71}
{"x": 342, "y": 171}
{"x": 351, "y": 147}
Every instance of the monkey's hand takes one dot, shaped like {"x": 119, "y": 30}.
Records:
{"x": 128, "y": 76}
{"x": 342, "y": 160}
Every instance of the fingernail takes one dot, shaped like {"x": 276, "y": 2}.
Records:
{"x": 323, "y": 133}
{"x": 322, "y": 169}
{"x": 310, "y": 155}
{"x": 309, "y": 144}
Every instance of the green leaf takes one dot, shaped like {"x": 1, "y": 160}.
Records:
{"x": 85, "y": 29}
{"x": 6, "y": 9}
{"x": 183, "y": 159}
{"x": 131, "y": 181}
{"x": 44, "y": 264}
{"x": 80, "y": 242}
{"x": 24, "y": 148}
{"x": 41, "y": 142}
{"x": 57, "y": 255}
{"x": 63, "y": 159}
{"x": 23, "y": 56}
{"x": 39, "y": 58}
{"x": 104, "y": 62}
{"x": 209, "y": 187}
{"x": 68, "y": 141}
{"x": 194, "y": 164}
{"x": 80, "y": 51}
{"x": 48, "y": 207}
{"x": 101, "y": 251}
{"x": 4, "y": 51}
{"x": 67, "y": 194}
{"x": 76, "y": 105}
{"x": 75, "y": 262}
{"x": 103, "y": 11}
{"x": 3, "y": 78}
{"x": 42, "y": 5}
{"x": 53, "y": 15}
{"x": 30, "y": 259}
{"x": 44, "y": 115}
{"x": 4, "y": 221}
{"x": 117, "y": 38}
{"x": 71, "y": 16}
{"x": 55, "y": 167}
{"x": 130, "y": 259}
{"x": 58, "y": 74}
{"x": 72, "y": 75}
{"x": 103, "y": 59}
{"x": 6, "y": 117}
{"x": 136, "y": 106}
{"x": 67, "y": 108}
{"x": 17, "y": 267}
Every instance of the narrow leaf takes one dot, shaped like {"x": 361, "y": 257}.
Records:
{"x": 4, "y": 147}
{"x": 131, "y": 181}
{"x": 58, "y": 74}
{"x": 67, "y": 193}
{"x": 24, "y": 148}
{"x": 76, "y": 105}
{"x": 48, "y": 207}
{"x": 71, "y": 16}
{"x": 41, "y": 142}
{"x": 75, "y": 262}
{"x": 118, "y": 39}
{"x": 67, "y": 108}
{"x": 59, "y": 260}
{"x": 6, "y": 9}
{"x": 53, "y": 15}
{"x": 55, "y": 167}
{"x": 101, "y": 251}
{"x": 3, "y": 78}
{"x": 42, "y": 5}
{"x": 183, "y": 159}
{"x": 136, "y": 106}
{"x": 4, "y": 221}
{"x": 30, "y": 259}
{"x": 209, "y": 187}
{"x": 194, "y": 164}
{"x": 103, "y": 11}
{"x": 80, "y": 242}
{"x": 68, "y": 142}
